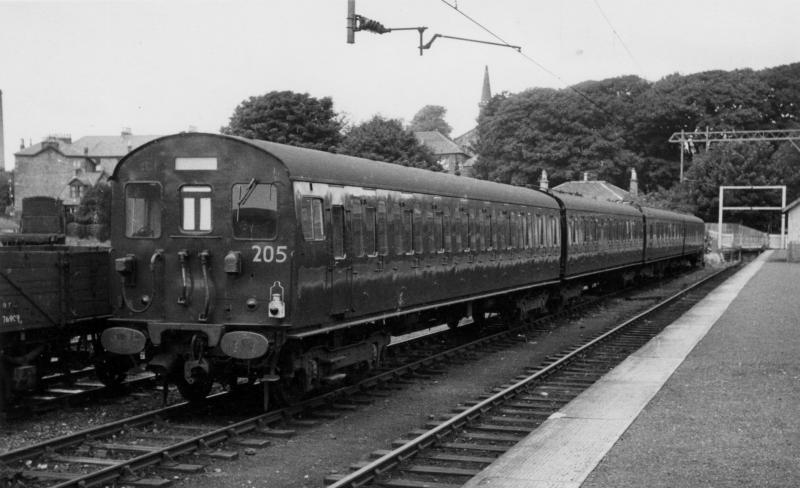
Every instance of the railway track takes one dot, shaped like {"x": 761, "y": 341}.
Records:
{"x": 450, "y": 451}
{"x": 144, "y": 450}
{"x": 70, "y": 388}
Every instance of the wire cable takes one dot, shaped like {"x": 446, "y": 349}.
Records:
{"x": 537, "y": 63}
{"x": 630, "y": 54}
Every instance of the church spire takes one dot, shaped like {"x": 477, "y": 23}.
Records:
{"x": 486, "y": 94}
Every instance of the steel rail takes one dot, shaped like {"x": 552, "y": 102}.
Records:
{"x": 388, "y": 461}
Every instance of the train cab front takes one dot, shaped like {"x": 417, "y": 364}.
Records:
{"x": 202, "y": 262}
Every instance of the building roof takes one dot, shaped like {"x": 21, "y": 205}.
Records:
{"x": 111, "y": 146}
{"x": 597, "y": 189}
{"x": 438, "y": 143}
{"x": 87, "y": 179}
{"x": 91, "y": 146}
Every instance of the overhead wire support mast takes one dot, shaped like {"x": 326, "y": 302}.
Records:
{"x": 685, "y": 139}
{"x": 356, "y": 23}
{"x": 435, "y": 36}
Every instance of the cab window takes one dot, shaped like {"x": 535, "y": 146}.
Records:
{"x": 254, "y": 210}
{"x": 143, "y": 210}
{"x": 196, "y": 208}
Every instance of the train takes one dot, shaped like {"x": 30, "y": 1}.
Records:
{"x": 54, "y": 303}
{"x": 243, "y": 261}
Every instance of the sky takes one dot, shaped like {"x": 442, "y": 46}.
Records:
{"x": 163, "y": 66}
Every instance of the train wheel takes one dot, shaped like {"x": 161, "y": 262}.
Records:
{"x": 265, "y": 396}
{"x": 478, "y": 314}
{"x": 290, "y": 392}
{"x": 111, "y": 369}
{"x": 198, "y": 389}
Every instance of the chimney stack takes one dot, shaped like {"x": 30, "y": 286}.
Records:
{"x": 543, "y": 183}
{"x": 634, "y": 188}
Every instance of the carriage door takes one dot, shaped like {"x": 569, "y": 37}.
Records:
{"x": 341, "y": 266}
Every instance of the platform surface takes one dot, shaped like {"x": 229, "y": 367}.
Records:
{"x": 712, "y": 401}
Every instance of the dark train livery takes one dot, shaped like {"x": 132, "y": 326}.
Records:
{"x": 244, "y": 259}
{"x": 53, "y": 305}
{"x": 53, "y": 302}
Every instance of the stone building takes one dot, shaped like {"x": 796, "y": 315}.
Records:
{"x": 448, "y": 154}
{"x": 62, "y": 168}
{"x": 792, "y": 216}
{"x": 601, "y": 190}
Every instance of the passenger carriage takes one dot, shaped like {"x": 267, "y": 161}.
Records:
{"x": 242, "y": 258}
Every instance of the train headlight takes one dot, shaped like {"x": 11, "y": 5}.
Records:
{"x": 276, "y": 308}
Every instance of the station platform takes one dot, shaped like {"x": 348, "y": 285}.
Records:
{"x": 713, "y": 401}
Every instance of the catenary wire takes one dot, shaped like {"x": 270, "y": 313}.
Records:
{"x": 537, "y": 63}
{"x": 622, "y": 41}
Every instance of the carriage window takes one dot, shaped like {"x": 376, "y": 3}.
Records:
{"x": 356, "y": 228}
{"x": 408, "y": 232}
{"x": 254, "y": 210}
{"x": 554, "y": 235}
{"x": 458, "y": 231}
{"x": 370, "y": 236}
{"x": 477, "y": 231}
{"x": 311, "y": 219}
{"x": 447, "y": 229}
{"x": 337, "y": 231}
{"x": 491, "y": 228}
{"x": 143, "y": 210}
{"x": 196, "y": 208}
{"x": 383, "y": 237}
{"x": 438, "y": 232}
{"x": 526, "y": 237}
{"x": 429, "y": 237}
{"x": 416, "y": 231}
{"x": 466, "y": 223}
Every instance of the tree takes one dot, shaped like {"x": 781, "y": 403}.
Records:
{"x": 430, "y": 118}
{"x": 288, "y": 118}
{"x": 757, "y": 164}
{"x": 386, "y": 140}
{"x": 6, "y": 190}
{"x": 558, "y": 131}
{"x": 95, "y": 208}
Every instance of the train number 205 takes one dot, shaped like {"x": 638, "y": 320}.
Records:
{"x": 269, "y": 254}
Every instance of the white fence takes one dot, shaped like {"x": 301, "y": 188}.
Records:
{"x": 737, "y": 236}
